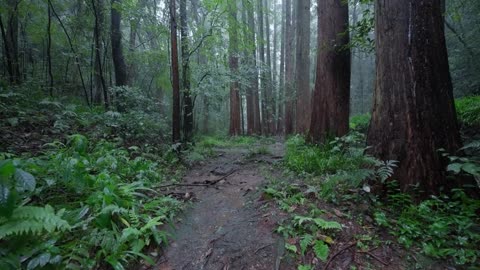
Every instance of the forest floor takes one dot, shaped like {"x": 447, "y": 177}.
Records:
{"x": 231, "y": 223}
{"x": 228, "y": 226}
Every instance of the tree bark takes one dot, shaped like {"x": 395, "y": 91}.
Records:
{"x": 414, "y": 114}
{"x": 257, "y": 124}
{"x": 331, "y": 101}
{"x": 176, "y": 121}
{"x": 100, "y": 85}
{"x": 235, "y": 121}
{"x": 10, "y": 39}
{"x": 121, "y": 75}
{"x": 281, "y": 86}
{"x": 49, "y": 49}
{"x": 289, "y": 70}
{"x": 303, "y": 66}
{"x": 269, "y": 100}
{"x": 187, "y": 97}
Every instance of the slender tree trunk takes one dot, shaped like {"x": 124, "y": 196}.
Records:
{"x": 281, "y": 87}
{"x": 11, "y": 41}
{"x": 121, "y": 75}
{"x": 77, "y": 60}
{"x": 49, "y": 49}
{"x": 100, "y": 85}
{"x": 235, "y": 122}
{"x": 270, "y": 102}
{"x": 414, "y": 114}
{"x": 257, "y": 123}
{"x": 331, "y": 101}
{"x": 176, "y": 121}
{"x": 303, "y": 66}
{"x": 261, "y": 51}
{"x": 249, "y": 93}
{"x": 187, "y": 97}
{"x": 289, "y": 71}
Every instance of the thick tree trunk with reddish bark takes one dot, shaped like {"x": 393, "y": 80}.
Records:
{"x": 302, "y": 70}
{"x": 289, "y": 71}
{"x": 121, "y": 74}
{"x": 235, "y": 121}
{"x": 176, "y": 121}
{"x": 414, "y": 113}
{"x": 331, "y": 100}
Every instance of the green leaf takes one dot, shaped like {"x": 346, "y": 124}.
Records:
{"x": 305, "y": 267}
{"x": 7, "y": 200}
{"x": 471, "y": 168}
{"x": 290, "y": 247}
{"x": 455, "y": 167}
{"x": 25, "y": 181}
{"x": 321, "y": 250}
{"x": 7, "y": 169}
{"x": 305, "y": 242}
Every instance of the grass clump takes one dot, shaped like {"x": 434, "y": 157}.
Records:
{"x": 341, "y": 154}
{"x": 468, "y": 110}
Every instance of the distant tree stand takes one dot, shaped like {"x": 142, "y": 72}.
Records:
{"x": 414, "y": 114}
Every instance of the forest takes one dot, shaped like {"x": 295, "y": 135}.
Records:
{"x": 247, "y": 134}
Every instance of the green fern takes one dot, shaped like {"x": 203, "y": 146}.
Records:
{"x": 305, "y": 242}
{"x": 32, "y": 220}
{"x": 327, "y": 225}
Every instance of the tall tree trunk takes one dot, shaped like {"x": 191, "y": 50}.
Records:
{"x": 250, "y": 42}
{"x": 281, "y": 86}
{"x": 261, "y": 52}
{"x": 331, "y": 101}
{"x": 49, "y": 49}
{"x": 303, "y": 66}
{"x": 289, "y": 70}
{"x": 269, "y": 101}
{"x": 187, "y": 97}
{"x": 10, "y": 37}
{"x": 235, "y": 122}
{"x": 414, "y": 114}
{"x": 121, "y": 75}
{"x": 176, "y": 121}
{"x": 257, "y": 124}
{"x": 70, "y": 43}
{"x": 100, "y": 85}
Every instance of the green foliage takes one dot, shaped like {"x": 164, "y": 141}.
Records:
{"x": 444, "y": 227}
{"x": 360, "y": 122}
{"x": 337, "y": 155}
{"x": 310, "y": 231}
{"x": 108, "y": 206}
{"x": 468, "y": 110}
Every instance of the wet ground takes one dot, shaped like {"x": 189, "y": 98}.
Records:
{"x": 228, "y": 226}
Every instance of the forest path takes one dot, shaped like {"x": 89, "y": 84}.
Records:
{"x": 228, "y": 226}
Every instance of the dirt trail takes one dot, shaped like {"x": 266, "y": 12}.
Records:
{"x": 227, "y": 227}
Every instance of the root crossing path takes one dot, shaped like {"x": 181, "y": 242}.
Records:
{"x": 228, "y": 226}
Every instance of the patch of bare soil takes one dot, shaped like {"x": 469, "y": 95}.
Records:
{"x": 227, "y": 227}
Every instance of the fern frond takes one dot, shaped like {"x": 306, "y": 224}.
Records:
{"x": 32, "y": 220}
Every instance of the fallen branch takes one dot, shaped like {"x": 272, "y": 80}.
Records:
{"x": 338, "y": 253}
{"x": 376, "y": 258}
{"x": 205, "y": 183}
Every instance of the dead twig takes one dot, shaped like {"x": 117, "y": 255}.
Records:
{"x": 376, "y": 258}
{"x": 338, "y": 253}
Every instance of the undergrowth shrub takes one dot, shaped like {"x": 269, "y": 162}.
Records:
{"x": 81, "y": 205}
